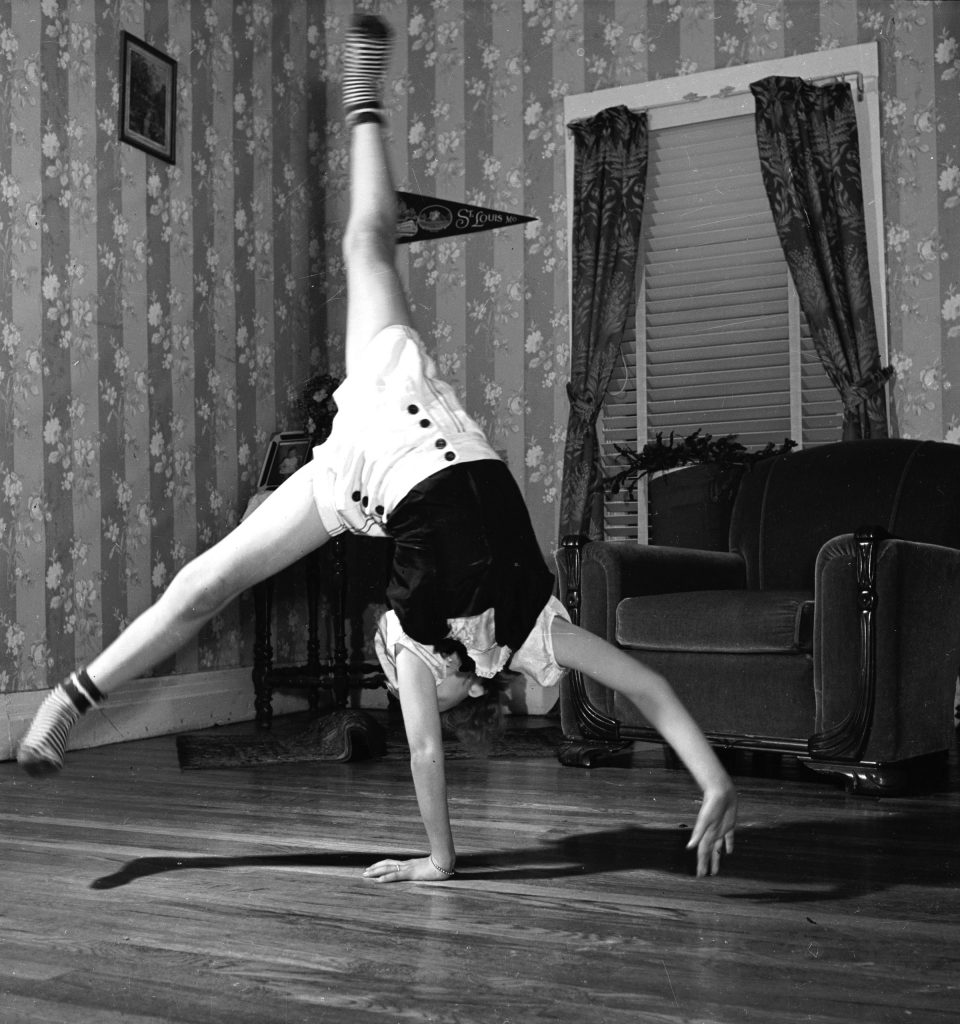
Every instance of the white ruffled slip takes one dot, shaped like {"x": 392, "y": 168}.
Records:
{"x": 535, "y": 658}
{"x": 477, "y": 634}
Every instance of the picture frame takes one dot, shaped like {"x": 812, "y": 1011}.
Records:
{"x": 148, "y": 98}
{"x": 287, "y": 452}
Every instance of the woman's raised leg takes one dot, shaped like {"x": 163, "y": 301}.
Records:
{"x": 375, "y": 296}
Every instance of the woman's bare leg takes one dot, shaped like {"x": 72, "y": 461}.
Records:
{"x": 279, "y": 532}
{"x": 375, "y": 297}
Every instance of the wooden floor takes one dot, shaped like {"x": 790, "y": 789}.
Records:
{"x": 134, "y": 892}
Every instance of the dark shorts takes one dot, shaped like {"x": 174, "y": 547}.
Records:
{"x": 464, "y": 543}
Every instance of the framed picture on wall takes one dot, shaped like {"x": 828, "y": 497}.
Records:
{"x": 148, "y": 98}
{"x": 287, "y": 452}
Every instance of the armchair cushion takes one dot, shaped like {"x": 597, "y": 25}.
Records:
{"x": 718, "y": 622}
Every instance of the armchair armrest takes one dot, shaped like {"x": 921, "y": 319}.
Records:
{"x": 597, "y": 575}
{"x": 886, "y": 647}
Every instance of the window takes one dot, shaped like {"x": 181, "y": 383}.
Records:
{"x": 718, "y": 341}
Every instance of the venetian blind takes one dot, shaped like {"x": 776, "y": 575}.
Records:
{"x": 717, "y": 342}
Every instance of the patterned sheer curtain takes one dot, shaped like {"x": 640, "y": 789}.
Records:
{"x": 810, "y": 160}
{"x": 610, "y": 172}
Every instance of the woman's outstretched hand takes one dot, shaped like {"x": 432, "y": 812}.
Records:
{"x": 420, "y": 869}
{"x": 713, "y": 832}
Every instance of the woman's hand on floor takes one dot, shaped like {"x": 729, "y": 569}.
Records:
{"x": 419, "y": 869}
{"x": 713, "y": 831}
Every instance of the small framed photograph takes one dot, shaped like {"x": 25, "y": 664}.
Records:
{"x": 148, "y": 98}
{"x": 287, "y": 452}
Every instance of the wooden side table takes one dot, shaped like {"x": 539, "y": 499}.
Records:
{"x": 329, "y": 678}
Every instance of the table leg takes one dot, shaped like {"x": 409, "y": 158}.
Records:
{"x": 262, "y": 653}
{"x": 341, "y": 673}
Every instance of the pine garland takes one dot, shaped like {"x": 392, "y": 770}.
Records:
{"x": 658, "y": 456}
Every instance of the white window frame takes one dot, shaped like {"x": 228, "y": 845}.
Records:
{"x": 725, "y": 92}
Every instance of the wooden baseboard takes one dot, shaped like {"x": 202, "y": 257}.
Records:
{"x": 149, "y": 707}
{"x": 168, "y": 704}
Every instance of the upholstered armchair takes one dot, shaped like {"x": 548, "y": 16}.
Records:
{"x": 829, "y": 630}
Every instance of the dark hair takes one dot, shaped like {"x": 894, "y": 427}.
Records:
{"x": 448, "y": 646}
{"x": 477, "y": 722}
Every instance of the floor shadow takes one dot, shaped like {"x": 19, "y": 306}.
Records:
{"x": 794, "y": 862}
{"x": 799, "y": 861}
{"x": 144, "y": 867}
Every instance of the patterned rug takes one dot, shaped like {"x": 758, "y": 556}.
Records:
{"x": 348, "y": 735}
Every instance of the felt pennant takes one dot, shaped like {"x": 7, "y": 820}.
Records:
{"x": 424, "y": 217}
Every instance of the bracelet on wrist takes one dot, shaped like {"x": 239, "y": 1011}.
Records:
{"x": 446, "y": 872}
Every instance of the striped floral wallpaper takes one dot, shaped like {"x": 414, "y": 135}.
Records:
{"x": 156, "y": 320}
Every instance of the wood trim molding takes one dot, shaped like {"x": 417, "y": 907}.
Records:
{"x": 170, "y": 704}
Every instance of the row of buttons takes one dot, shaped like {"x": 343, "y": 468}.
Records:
{"x": 364, "y": 500}
{"x": 440, "y": 443}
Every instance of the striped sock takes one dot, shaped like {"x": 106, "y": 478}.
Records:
{"x": 82, "y": 691}
{"x": 365, "y": 58}
{"x": 42, "y": 749}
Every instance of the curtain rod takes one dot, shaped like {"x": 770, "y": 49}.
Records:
{"x": 837, "y": 76}
{"x": 859, "y": 77}
{"x": 842, "y": 77}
